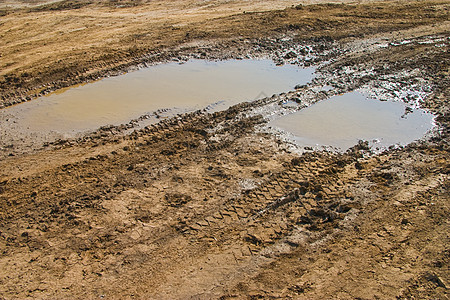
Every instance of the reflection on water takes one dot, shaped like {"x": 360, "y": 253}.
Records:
{"x": 343, "y": 120}
{"x": 192, "y": 85}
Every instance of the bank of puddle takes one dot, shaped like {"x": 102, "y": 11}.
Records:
{"x": 193, "y": 85}
{"x": 341, "y": 121}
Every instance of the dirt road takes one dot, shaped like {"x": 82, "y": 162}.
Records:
{"x": 203, "y": 205}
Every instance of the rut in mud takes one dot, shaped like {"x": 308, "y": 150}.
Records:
{"x": 173, "y": 204}
{"x": 101, "y": 39}
{"x": 218, "y": 205}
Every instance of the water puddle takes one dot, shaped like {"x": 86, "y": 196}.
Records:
{"x": 189, "y": 86}
{"x": 343, "y": 120}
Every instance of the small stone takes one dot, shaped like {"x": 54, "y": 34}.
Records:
{"x": 290, "y": 54}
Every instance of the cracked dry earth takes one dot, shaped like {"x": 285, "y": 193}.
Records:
{"x": 214, "y": 206}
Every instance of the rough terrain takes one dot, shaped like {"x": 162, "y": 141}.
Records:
{"x": 218, "y": 205}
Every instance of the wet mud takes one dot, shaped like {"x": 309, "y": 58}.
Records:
{"x": 218, "y": 205}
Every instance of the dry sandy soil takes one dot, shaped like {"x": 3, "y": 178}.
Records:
{"x": 202, "y": 205}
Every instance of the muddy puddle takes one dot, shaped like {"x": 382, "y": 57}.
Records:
{"x": 342, "y": 120}
{"x": 195, "y": 84}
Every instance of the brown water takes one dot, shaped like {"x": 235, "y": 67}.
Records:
{"x": 189, "y": 86}
{"x": 343, "y": 120}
